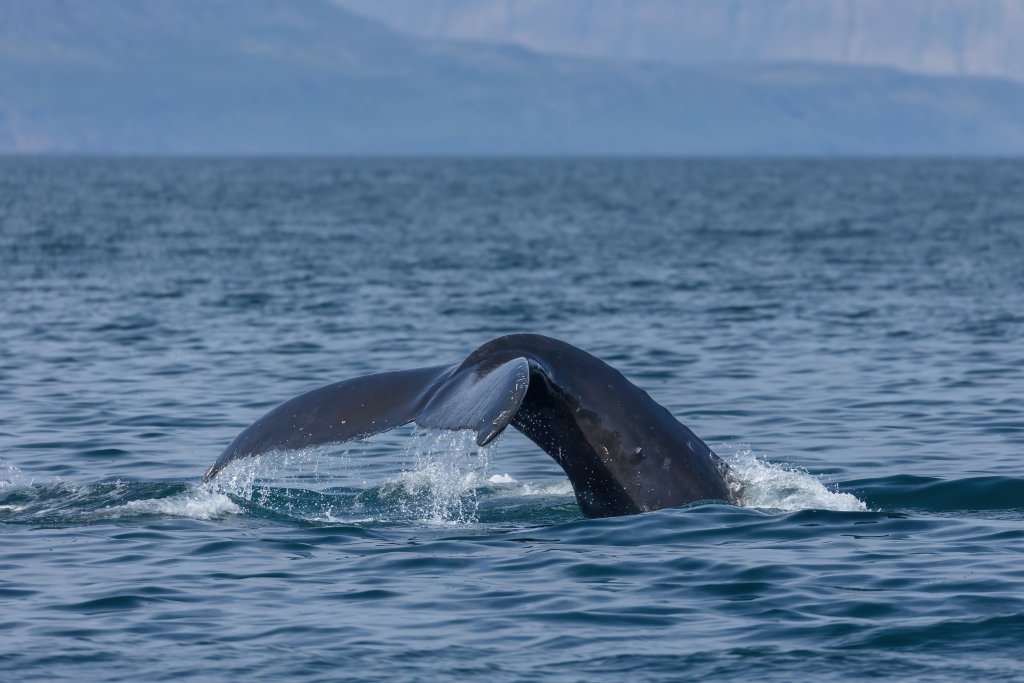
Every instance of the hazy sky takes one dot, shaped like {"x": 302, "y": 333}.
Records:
{"x": 951, "y": 37}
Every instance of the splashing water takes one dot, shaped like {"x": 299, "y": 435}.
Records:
{"x": 198, "y": 502}
{"x": 315, "y": 484}
{"x": 446, "y": 470}
{"x": 769, "y": 486}
{"x": 11, "y": 476}
{"x": 63, "y": 503}
{"x": 440, "y": 483}
{"x": 446, "y": 474}
{"x": 505, "y": 482}
{"x": 445, "y": 481}
{"x": 249, "y": 478}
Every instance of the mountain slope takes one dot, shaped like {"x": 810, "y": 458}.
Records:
{"x": 307, "y": 77}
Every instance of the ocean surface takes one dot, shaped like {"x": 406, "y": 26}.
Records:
{"x": 848, "y": 334}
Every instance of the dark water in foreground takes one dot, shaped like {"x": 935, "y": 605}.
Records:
{"x": 849, "y": 334}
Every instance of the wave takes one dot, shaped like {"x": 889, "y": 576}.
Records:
{"x": 62, "y": 503}
{"x": 932, "y": 494}
{"x": 768, "y": 486}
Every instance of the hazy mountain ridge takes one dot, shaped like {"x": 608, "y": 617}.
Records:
{"x": 951, "y": 37}
{"x": 307, "y": 77}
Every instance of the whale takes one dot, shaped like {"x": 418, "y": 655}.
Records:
{"x": 622, "y": 452}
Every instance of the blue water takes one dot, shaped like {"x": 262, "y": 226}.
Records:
{"x": 849, "y": 334}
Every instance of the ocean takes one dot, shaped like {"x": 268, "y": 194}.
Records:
{"x": 848, "y": 334}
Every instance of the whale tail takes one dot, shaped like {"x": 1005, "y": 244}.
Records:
{"x": 622, "y": 451}
{"x": 481, "y": 397}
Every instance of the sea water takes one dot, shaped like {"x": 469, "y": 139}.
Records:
{"x": 849, "y": 335}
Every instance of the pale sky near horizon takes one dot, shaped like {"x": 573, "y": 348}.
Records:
{"x": 947, "y": 37}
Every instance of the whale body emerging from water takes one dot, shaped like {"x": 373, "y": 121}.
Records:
{"x": 622, "y": 451}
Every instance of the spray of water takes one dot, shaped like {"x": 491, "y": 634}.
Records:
{"x": 196, "y": 503}
{"x": 60, "y": 502}
{"x": 768, "y": 486}
{"x": 296, "y": 483}
{"x": 11, "y": 476}
{"x": 440, "y": 482}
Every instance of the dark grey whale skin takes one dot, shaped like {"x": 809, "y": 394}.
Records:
{"x": 623, "y": 452}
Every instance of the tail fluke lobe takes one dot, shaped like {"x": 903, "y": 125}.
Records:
{"x": 445, "y": 397}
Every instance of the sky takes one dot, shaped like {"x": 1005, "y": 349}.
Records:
{"x": 941, "y": 37}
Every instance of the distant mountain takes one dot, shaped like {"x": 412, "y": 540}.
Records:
{"x": 938, "y": 37}
{"x": 308, "y": 77}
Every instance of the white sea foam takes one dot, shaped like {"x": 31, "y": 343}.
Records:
{"x": 508, "y": 485}
{"x": 769, "y": 486}
{"x": 200, "y": 502}
{"x": 560, "y": 487}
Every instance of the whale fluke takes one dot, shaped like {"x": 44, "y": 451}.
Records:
{"x": 622, "y": 451}
{"x": 483, "y": 399}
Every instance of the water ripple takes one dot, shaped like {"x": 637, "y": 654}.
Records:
{"x": 845, "y": 333}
